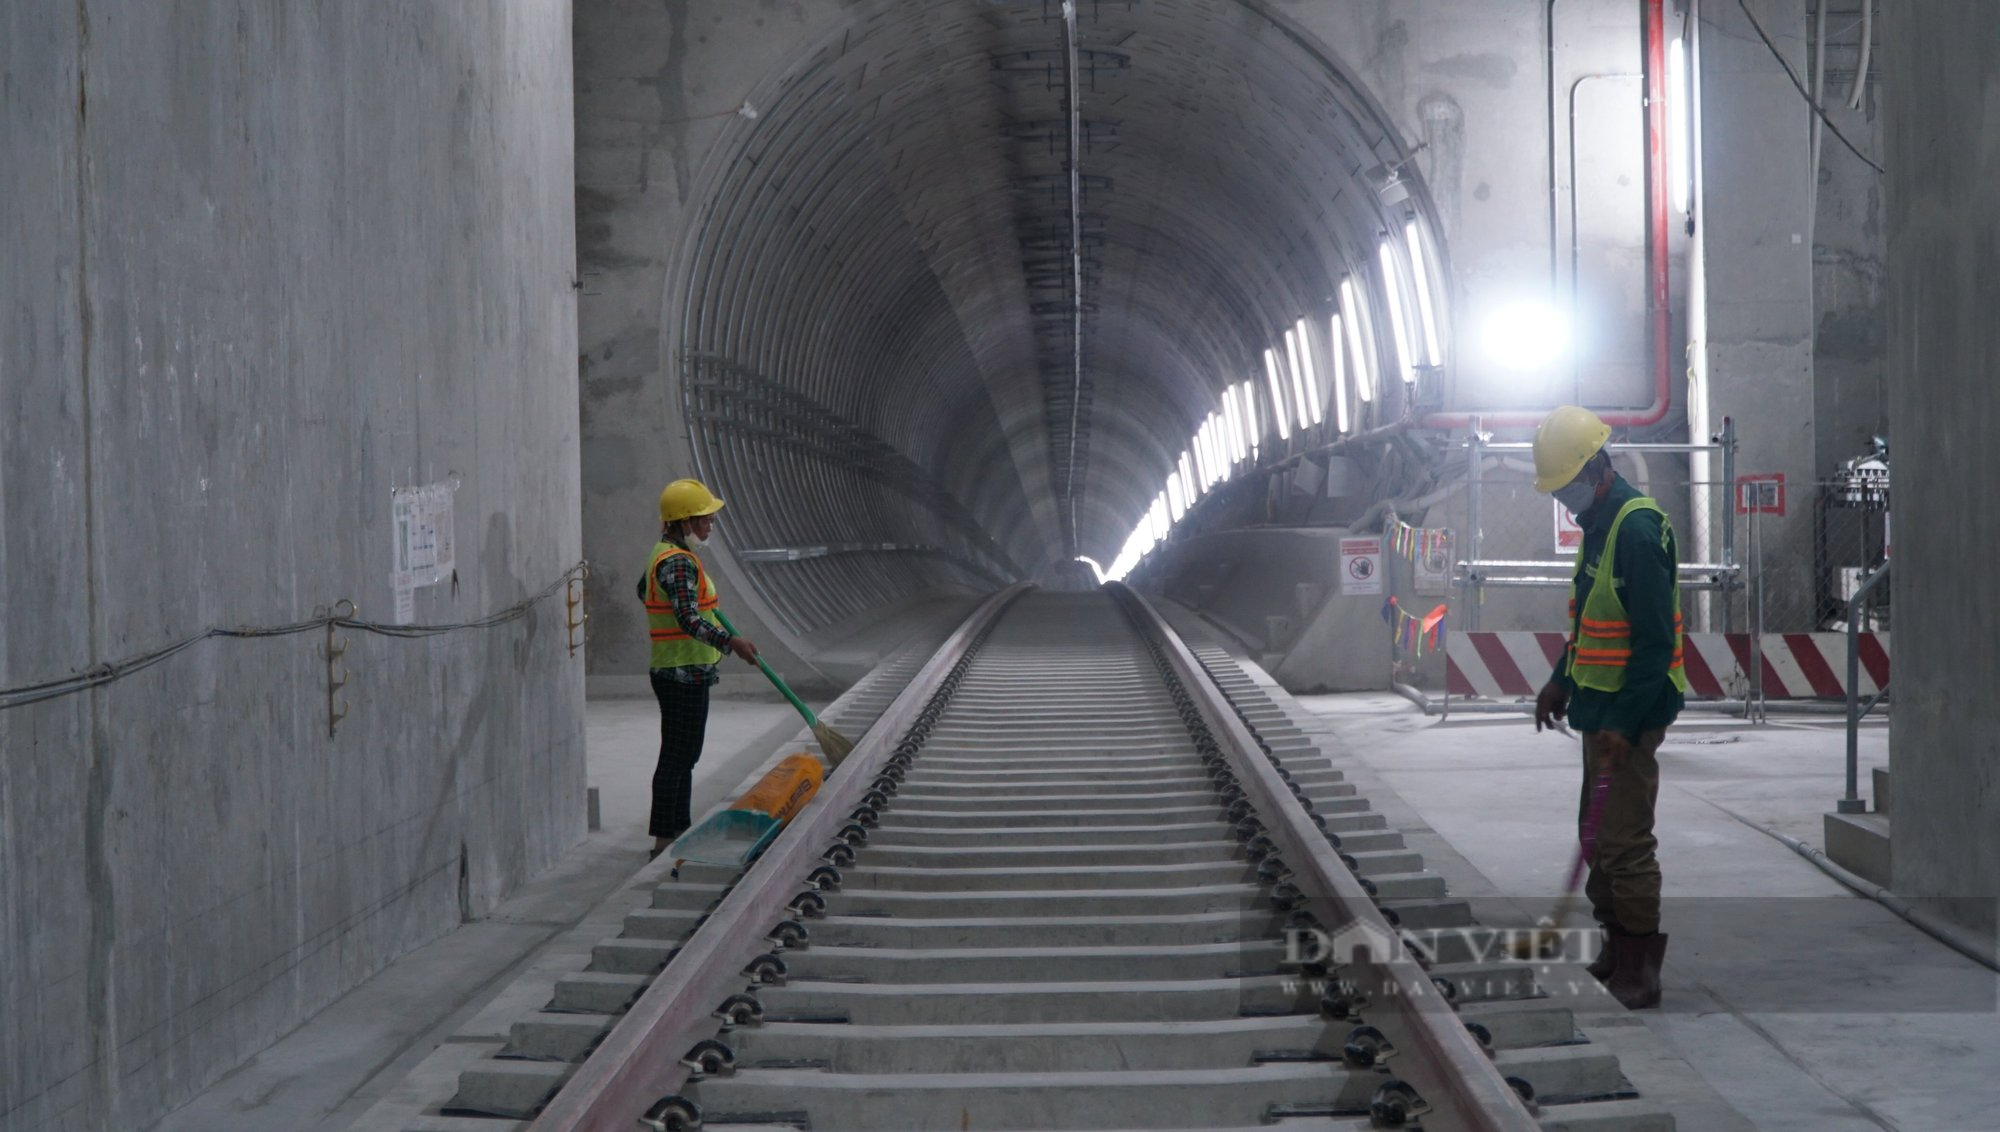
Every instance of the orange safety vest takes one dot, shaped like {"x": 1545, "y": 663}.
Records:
{"x": 672, "y": 646}
{"x": 1600, "y": 643}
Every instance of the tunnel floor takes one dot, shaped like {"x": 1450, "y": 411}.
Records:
{"x": 1791, "y": 1003}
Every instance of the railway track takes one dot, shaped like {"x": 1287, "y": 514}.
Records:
{"x": 1079, "y": 876}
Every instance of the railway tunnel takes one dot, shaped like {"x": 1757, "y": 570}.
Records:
{"x": 959, "y": 285}
{"x": 1123, "y": 411}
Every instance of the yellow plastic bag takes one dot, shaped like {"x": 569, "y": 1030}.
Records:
{"x": 785, "y": 789}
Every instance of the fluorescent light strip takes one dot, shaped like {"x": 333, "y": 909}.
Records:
{"x": 1313, "y": 396}
{"x": 1298, "y": 381}
{"x": 1176, "y": 500}
{"x": 1427, "y": 315}
{"x": 1253, "y": 428}
{"x": 1240, "y": 434}
{"x": 1333, "y": 335}
{"x": 1364, "y": 373}
{"x": 1277, "y": 395}
{"x": 1392, "y": 285}
{"x": 1225, "y": 429}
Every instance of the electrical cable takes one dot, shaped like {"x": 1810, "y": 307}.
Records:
{"x": 102, "y": 674}
{"x": 1803, "y": 92}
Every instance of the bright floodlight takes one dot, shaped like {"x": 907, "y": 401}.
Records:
{"x": 1526, "y": 336}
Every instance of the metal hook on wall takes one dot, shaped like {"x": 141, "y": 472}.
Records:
{"x": 336, "y": 672}
{"x": 574, "y": 593}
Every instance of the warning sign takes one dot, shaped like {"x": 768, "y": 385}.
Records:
{"x": 1762, "y": 494}
{"x": 1361, "y": 566}
{"x": 1432, "y": 565}
{"x": 1569, "y": 536}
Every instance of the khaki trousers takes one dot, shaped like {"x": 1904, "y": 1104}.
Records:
{"x": 1624, "y": 880}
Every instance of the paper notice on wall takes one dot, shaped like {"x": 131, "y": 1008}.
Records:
{"x": 424, "y": 550}
{"x": 1360, "y": 566}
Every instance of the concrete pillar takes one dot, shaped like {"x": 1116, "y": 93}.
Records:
{"x": 1942, "y": 127}
{"x": 1753, "y": 352}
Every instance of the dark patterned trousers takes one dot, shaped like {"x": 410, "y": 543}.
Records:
{"x": 683, "y": 722}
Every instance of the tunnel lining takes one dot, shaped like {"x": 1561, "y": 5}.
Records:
{"x": 867, "y": 243}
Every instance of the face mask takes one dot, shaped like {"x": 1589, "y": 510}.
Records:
{"x": 1577, "y": 495}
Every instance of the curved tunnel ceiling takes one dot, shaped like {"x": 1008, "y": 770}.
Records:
{"x": 874, "y": 331}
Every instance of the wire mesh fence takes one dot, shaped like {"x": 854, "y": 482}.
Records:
{"x": 1497, "y": 556}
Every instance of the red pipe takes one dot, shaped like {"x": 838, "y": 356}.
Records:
{"x": 1658, "y": 307}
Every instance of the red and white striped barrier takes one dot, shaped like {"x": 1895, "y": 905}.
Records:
{"x": 1796, "y": 665}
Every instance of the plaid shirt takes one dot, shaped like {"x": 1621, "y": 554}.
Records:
{"x": 680, "y": 581}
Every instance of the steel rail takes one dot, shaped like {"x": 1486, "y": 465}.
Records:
{"x": 1442, "y": 1061}
{"x": 640, "y": 1059}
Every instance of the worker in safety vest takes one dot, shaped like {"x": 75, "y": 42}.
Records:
{"x": 1621, "y": 684}
{"x": 688, "y": 641}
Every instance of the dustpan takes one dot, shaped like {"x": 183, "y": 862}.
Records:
{"x": 727, "y": 838}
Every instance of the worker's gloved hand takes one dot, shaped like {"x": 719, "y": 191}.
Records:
{"x": 1551, "y": 705}
{"x": 742, "y": 647}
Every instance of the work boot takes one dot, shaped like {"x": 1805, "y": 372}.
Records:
{"x": 1635, "y": 969}
{"x": 1600, "y": 968}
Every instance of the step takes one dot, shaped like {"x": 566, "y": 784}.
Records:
{"x": 1054, "y": 964}
{"x": 1153, "y": 833}
{"x": 1053, "y": 875}
{"x": 1048, "y": 931}
{"x": 903, "y": 816}
{"x": 1048, "y": 902}
{"x": 917, "y": 796}
{"x": 1032, "y": 856}
{"x": 1083, "y": 1000}
{"x": 1859, "y": 843}
{"x": 515, "y": 1089}
{"x": 854, "y": 1102}
{"x": 1029, "y": 1047}
{"x": 595, "y": 992}
{"x": 547, "y": 1036}
{"x": 624, "y": 956}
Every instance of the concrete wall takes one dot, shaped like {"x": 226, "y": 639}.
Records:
{"x": 1850, "y": 316}
{"x": 1753, "y": 355}
{"x": 264, "y": 262}
{"x": 1277, "y": 592}
{"x": 1942, "y": 126}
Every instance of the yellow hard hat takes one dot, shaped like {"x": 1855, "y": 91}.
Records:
{"x": 686, "y": 499}
{"x": 1567, "y": 439}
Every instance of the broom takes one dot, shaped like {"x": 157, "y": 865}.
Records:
{"x": 1586, "y": 848}
{"x": 836, "y": 745}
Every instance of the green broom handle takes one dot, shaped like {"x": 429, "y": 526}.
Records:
{"x": 811, "y": 719}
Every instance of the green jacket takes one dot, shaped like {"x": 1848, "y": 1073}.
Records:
{"x": 1647, "y": 569}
